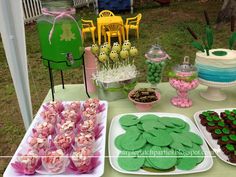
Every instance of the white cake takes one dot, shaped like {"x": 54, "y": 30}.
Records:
{"x": 219, "y": 66}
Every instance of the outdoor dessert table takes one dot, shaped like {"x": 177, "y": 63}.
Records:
{"x": 101, "y": 21}
{"x": 77, "y": 92}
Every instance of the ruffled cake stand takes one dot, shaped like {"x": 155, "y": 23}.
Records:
{"x": 213, "y": 92}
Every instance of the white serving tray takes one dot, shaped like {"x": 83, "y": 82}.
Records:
{"x": 116, "y": 129}
{"x": 98, "y": 171}
{"x": 207, "y": 136}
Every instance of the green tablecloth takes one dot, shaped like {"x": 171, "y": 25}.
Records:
{"x": 77, "y": 92}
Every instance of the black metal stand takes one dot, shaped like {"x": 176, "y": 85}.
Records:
{"x": 85, "y": 80}
{"x": 51, "y": 80}
{"x": 62, "y": 77}
{"x": 62, "y": 80}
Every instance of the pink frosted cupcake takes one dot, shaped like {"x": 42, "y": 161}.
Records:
{"x": 50, "y": 115}
{"x": 27, "y": 163}
{"x": 70, "y": 115}
{"x": 66, "y": 127}
{"x": 55, "y": 161}
{"x": 84, "y": 139}
{"x": 75, "y": 106}
{"x": 91, "y": 103}
{"x": 38, "y": 142}
{"x": 82, "y": 156}
{"x": 87, "y": 125}
{"x": 90, "y": 113}
{"x": 45, "y": 129}
{"x": 64, "y": 141}
{"x": 57, "y": 106}
{"x": 83, "y": 160}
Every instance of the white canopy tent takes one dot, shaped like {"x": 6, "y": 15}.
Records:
{"x": 13, "y": 37}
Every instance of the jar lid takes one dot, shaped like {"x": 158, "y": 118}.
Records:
{"x": 185, "y": 67}
{"x": 156, "y": 53}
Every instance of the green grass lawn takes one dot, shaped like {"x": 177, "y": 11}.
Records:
{"x": 168, "y": 24}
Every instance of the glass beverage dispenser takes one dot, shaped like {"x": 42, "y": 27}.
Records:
{"x": 60, "y": 35}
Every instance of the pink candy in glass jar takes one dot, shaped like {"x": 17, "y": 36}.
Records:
{"x": 183, "y": 78}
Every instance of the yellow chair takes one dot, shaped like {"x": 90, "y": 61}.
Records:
{"x": 106, "y": 13}
{"x": 113, "y": 30}
{"x": 132, "y": 23}
{"x": 88, "y": 27}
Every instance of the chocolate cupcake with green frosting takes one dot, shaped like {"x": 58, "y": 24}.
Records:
{"x": 223, "y": 115}
{"x": 204, "y": 114}
{"x": 232, "y": 157}
{"x": 228, "y": 149}
{"x": 216, "y": 118}
{"x": 226, "y": 131}
{"x": 211, "y": 126}
{"x": 217, "y": 133}
{"x": 232, "y": 139}
{"x": 233, "y": 125}
{"x": 221, "y": 124}
{"x": 229, "y": 120}
{"x": 206, "y": 120}
{"x": 223, "y": 140}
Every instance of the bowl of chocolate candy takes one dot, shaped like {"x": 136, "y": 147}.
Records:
{"x": 144, "y": 98}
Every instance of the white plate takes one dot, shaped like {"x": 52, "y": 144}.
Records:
{"x": 98, "y": 171}
{"x": 207, "y": 136}
{"x": 116, "y": 129}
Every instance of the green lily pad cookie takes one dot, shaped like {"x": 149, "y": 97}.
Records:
{"x": 159, "y": 138}
{"x": 187, "y": 163}
{"x": 194, "y": 138}
{"x": 177, "y": 122}
{"x": 118, "y": 141}
{"x": 133, "y": 144}
{"x": 177, "y": 146}
{"x": 148, "y": 125}
{"x": 182, "y": 139}
{"x": 128, "y": 120}
{"x": 186, "y": 127}
{"x": 130, "y": 163}
{"x": 133, "y": 130}
{"x": 139, "y": 126}
{"x": 166, "y": 121}
{"x": 148, "y": 117}
{"x": 163, "y": 159}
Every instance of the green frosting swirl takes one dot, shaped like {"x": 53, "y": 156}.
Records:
{"x": 231, "y": 118}
{"x": 225, "y": 130}
{"x": 209, "y": 119}
{"x": 216, "y": 118}
{"x": 227, "y": 112}
{"x": 234, "y": 122}
{"x": 218, "y": 131}
{"x": 221, "y": 124}
{"x": 211, "y": 124}
{"x": 224, "y": 138}
{"x": 230, "y": 147}
{"x": 232, "y": 137}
